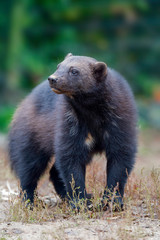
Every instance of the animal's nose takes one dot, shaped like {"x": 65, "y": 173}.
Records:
{"x": 52, "y": 79}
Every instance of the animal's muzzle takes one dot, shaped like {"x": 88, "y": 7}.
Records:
{"x": 52, "y": 80}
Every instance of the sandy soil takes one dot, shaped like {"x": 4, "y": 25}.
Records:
{"x": 86, "y": 229}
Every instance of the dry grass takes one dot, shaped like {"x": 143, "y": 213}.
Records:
{"x": 141, "y": 200}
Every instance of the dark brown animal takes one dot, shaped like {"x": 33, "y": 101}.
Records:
{"x": 90, "y": 110}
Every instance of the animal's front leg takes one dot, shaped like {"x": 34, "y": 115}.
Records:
{"x": 73, "y": 175}
{"x": 71, "y": 159}
{"x": 120, "y": 161}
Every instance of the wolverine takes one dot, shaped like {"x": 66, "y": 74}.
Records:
{"x": 84, "y": 108}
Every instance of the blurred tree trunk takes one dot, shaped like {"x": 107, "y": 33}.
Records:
{"x": 15, "y": 44}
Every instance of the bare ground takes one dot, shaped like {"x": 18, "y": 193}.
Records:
{"x": 139, "y": 220}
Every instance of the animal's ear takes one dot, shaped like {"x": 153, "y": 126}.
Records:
{"x": 68, "y": 55}
{"x": 100, "y": 70}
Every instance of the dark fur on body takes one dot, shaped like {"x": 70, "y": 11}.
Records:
{"x": 95, "y": 102}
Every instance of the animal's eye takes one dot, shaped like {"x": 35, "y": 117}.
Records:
{"x": 74, "y": 72}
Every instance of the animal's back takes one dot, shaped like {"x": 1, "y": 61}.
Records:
{"x": 122, "y": 95}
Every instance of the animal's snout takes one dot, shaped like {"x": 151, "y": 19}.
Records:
{"x": 52, "y": 79}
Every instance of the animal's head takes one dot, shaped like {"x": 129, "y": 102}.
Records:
{"x": 77, "y": 74}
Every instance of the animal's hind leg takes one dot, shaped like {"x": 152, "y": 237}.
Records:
{"x": 29, "y": 168}
{"x": 57, "y": 182}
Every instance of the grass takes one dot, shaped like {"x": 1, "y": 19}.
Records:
{"x": 141, "y": 200}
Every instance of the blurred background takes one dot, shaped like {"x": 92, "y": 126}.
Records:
{"x": 36, "y": 35}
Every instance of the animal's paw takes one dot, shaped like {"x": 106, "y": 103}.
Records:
{"x": 114, "y": 204}
{"x": 83, "y": 203}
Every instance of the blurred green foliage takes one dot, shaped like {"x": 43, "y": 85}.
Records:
{"x": 6, "y": 113}
{"x": 36, "y": 35}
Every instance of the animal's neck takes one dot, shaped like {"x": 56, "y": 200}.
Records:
{"x": 90, "y": 106}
